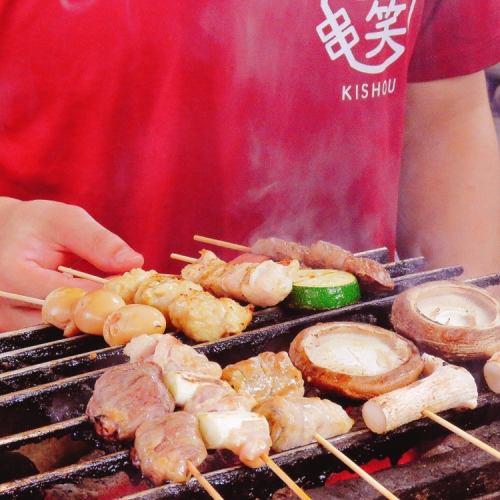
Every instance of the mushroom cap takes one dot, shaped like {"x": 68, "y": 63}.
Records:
{"x": 355, "y": 359}
{"x": 449, "y": 318}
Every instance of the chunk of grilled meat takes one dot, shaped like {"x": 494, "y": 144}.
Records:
{"x": 203, "y": 317}
{"x": 279, "y": 249}
{"x": 170, "y": 354}
{"x": 244, "y": 433}
{"x": 127, "y": 284}
{"x": 218, "y": 397}
{"x": 160, "y": 290}
{"x": 125, "y": 396}
{"x": 327, "y": 255}
{"x": 265, "y": 375}
{"x": 294, "y": 420}
{"x": 163, "y": 447}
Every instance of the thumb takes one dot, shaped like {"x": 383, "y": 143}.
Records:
{"x": 83, "y": 236}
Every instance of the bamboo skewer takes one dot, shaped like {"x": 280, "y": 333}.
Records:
{"x": 183, "y": 258}
{"x": 80, "y": 274}
{"x": 285, "y": 477}
{"x": 201, "y": 479}
{"x": 353, "y": 466}
{"x": 460, "y": 432}
{"x": 222, "y": 243}
{"x": 22, "y": 298}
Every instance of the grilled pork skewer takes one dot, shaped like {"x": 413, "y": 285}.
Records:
{"x": 320, "y": 255}
{"x": 492, "y": 372}
{"x": 263, "y": 284}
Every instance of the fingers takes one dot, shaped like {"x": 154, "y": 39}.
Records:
{"x": 43, "y": 281}
{"x": 13, "y": 317}
{"x": 82, "y": 235}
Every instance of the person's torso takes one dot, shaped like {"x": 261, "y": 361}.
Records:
{"x": 221, "y": 117}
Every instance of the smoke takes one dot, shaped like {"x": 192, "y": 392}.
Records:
{"x": 76, "y": 4}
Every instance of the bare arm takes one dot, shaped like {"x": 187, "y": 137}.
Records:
{"x": 449, "y": 205}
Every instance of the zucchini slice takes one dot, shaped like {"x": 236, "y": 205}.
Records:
{"x": 319, "y": 289}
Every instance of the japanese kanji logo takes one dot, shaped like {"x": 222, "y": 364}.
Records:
{"x": 341, "y": 38}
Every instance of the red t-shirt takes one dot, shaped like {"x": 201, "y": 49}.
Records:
{"x": 229, "y": 118}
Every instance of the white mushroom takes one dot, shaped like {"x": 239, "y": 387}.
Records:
{"x": 452, "y": 319}
{"x": 445, "y": 386}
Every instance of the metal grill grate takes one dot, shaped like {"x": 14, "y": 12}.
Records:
{"x": 39, "y": 371}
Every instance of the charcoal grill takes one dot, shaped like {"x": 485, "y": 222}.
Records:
{"x": 46, "y": 381}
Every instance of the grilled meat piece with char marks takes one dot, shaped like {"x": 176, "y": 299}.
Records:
{"x": 163, "y": 447}
{"x": 125, "y": 396}
{"x": 265, "y": 375}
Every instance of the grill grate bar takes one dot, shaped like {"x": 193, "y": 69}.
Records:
{"x": 27, "y": 337}
{"x": 406, "y": 266}
{"x": 53, "y": 430}
{"x": 98, "y": 467}
{"x": 50, "y": 350}
{"x": 379, "y": 254}
{"x": 50, "y": 371}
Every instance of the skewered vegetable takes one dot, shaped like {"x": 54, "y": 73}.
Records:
{"x": 323, "y": 289}
{"x": 444, "y": 387}
{"x": 355, "y": 359}
{"x": 452, "y": 319}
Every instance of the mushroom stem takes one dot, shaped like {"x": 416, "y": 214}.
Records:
{"x": 492, "y": 372}
{"x": 446, "y": 386}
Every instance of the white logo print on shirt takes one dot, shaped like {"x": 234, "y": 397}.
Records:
{"x": 341, "y": 37}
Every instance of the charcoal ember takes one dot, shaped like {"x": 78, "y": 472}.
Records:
{"x": 443, "y": 474}
{"x": 114, "y": 486}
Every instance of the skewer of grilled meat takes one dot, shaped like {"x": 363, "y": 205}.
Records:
{"x": 324, "y": 255}
{"x": 263, "y": 284}
{"x": 320, "y": 255}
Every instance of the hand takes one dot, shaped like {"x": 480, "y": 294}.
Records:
{"x": 38, "y": 236}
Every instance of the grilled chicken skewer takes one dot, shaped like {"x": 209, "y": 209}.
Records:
{"x": 225, "y": 419}
{"x": 263, "y": 284}
{"x": 320, "y": 255}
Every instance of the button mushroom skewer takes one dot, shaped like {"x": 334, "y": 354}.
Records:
{"x": 263, "y": 284}
{"x": 445, "y": 386}
{"x": 319, "y": 255}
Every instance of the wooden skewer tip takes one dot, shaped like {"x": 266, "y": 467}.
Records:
{"x": 355, "y": 467}
{"x": 285, "y": 477}
{"x": 202, "y": 480}
{"x": 80, "y": 274}
{"x": 22, "y": 298}
{"x": 222, "y": 243}
{"x": 463, "y": 434}
{"x": 183, "y": 258}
